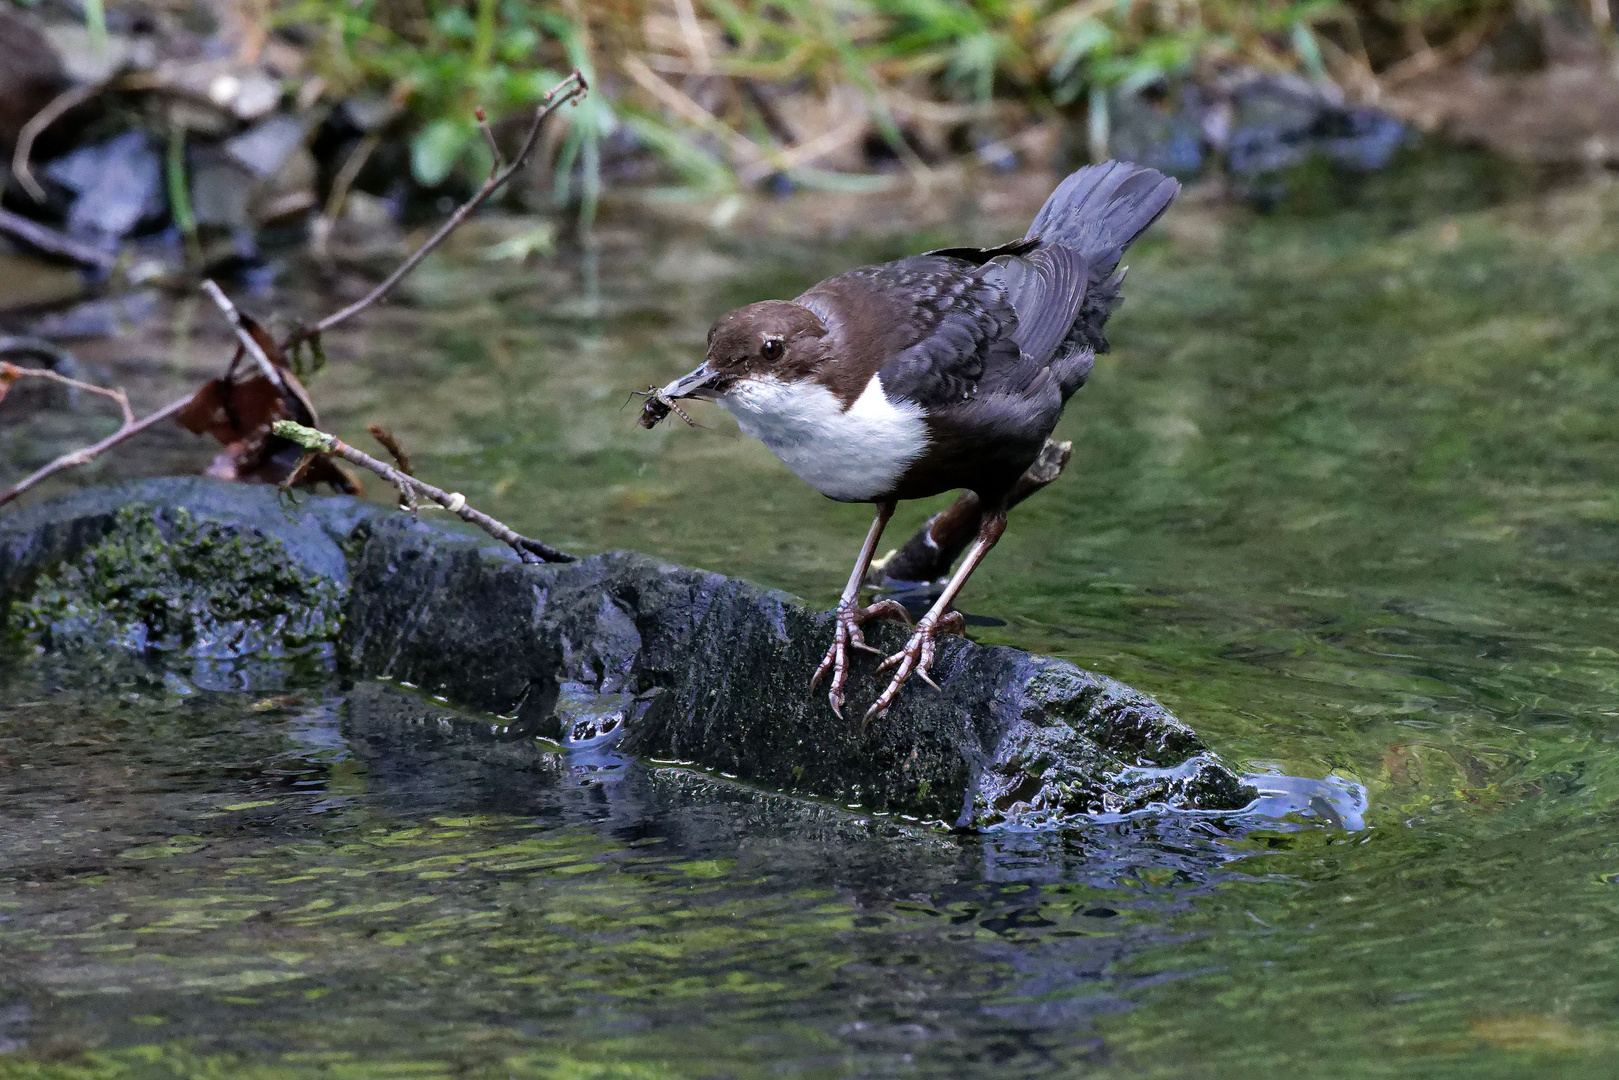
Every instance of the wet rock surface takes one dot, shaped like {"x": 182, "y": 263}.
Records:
{"x": 162, "y": 583}
{"x": 619, "y": 651}
{"x": 225, "y": 593}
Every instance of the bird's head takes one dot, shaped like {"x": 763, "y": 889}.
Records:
{"x": 771, "y": 339}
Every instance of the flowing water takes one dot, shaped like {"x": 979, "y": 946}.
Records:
{"x": 1343, "y": 496}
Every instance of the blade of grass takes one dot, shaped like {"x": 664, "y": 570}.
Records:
{"x": 180, "y": 192}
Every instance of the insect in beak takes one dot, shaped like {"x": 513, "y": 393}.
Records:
{"x": 704, "y": 382}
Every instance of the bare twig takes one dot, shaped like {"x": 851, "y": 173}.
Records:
{"x": 349, "y": 172}
{"x": 10, "y": 373}
{"x": 407, "y": 499}
{"x": 1427, "y": 58}
{"x": 685, "y": 107}
{"x": 52, "y": 242}
{"x": 692, "y": 31}
{"x": 57, "y": 357}
{"x": 309, "y": 458}
{"x": 755, "y": 162}
{"x": 488, "y": 134}
{"x": 569, "y": 89}
{"x": 249, "y": 342}
{"x": 828, "y": 142}
{"x": 70, "y": 98}
{"x": 456, "y": 503}
{"x": 84, "y": 454}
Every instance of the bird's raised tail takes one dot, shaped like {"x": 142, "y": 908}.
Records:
{"x": 1064, "y": 290}
{"x": 1100, "y": 210}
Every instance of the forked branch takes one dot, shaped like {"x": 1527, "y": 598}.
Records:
{"x": 10, "y": 373}
{"x": 412, "y": 491}
{"x": 500, "y": 170}
{"x": 257, "y": 344}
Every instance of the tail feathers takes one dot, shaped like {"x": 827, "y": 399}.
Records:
{"x": 1097, "y": 212}
{"x": 1101, "y": 209}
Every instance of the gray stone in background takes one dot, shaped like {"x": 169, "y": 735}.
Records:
{"x": 117, "y": 185}
{"x": 679, "y": 664}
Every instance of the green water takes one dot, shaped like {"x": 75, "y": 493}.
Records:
{"x": 1343, "y": 496}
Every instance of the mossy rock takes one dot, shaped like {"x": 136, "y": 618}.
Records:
{"x": 167, "y": 583}
{"x": 230, "y": 586}
{"x": 191, "y": 583}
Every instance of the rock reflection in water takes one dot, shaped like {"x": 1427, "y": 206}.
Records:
{"x": 371, "y": 872}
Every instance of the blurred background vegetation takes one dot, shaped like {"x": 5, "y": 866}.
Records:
{"x": 321, "y": 105}
{"x": 738, "y": 91}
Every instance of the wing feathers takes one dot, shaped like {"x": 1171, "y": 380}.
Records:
{"x": 1046, "y": 288}
{"x": 957, "y": 324}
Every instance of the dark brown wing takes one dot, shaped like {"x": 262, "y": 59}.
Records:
{"x": 932, "y": 326}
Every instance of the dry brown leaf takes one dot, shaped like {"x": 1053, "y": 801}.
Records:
{"x": 239, "y": 415}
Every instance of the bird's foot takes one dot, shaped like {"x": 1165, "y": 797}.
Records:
{"x": 915, "y": 658}
{"x": 847, "y": 635}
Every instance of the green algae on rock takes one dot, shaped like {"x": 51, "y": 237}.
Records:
{"x": 165, "y": 582}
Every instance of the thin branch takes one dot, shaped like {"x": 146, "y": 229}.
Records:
{"x": 10, "y": 372}
{"x": 687, "y": 109}
{"x": 692, "y": 31}
{"x": 249, "y": 342}
{"x": 309, "y": 458}
{"x": 804, "y": 153}
{"x": 488, "y": 138}
{"x": 84, "y": 454}
{"x": 53, "y": 111}
{"x": 569, "y": 89}
{"x": 409, "y": 487}
{"x": 1427, "y": 58}
{"x": 349, "y": 172}
{"x": 52, "y": 242}
{"x": 755, "y": 161}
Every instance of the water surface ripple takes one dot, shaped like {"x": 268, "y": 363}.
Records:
{"x": 1343, "y": 496}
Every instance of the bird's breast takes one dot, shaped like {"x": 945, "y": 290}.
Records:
{"x": 852, "y": 454}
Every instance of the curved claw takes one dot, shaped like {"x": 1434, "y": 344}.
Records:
{"x": 887, "y": 609}
{"x": 846, "y": 635}
{"x": 916, "y": 658}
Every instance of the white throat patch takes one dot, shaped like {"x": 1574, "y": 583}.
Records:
{"x": 849, "y": 454}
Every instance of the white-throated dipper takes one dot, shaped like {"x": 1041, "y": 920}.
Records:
{"x": 940, "y": 371}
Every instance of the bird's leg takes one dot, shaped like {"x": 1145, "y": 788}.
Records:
{"x": 932, "y": 551}
{"x": 917, "y": 655}
{"x": 851, "y": 616}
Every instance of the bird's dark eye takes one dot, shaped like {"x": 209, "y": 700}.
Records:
{"x": 772, "y": 349}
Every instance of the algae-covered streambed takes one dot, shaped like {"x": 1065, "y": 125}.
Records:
{"x": 1343, "y": 497}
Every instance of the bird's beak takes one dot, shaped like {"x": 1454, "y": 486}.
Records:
{"x": 704, "y": 382}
